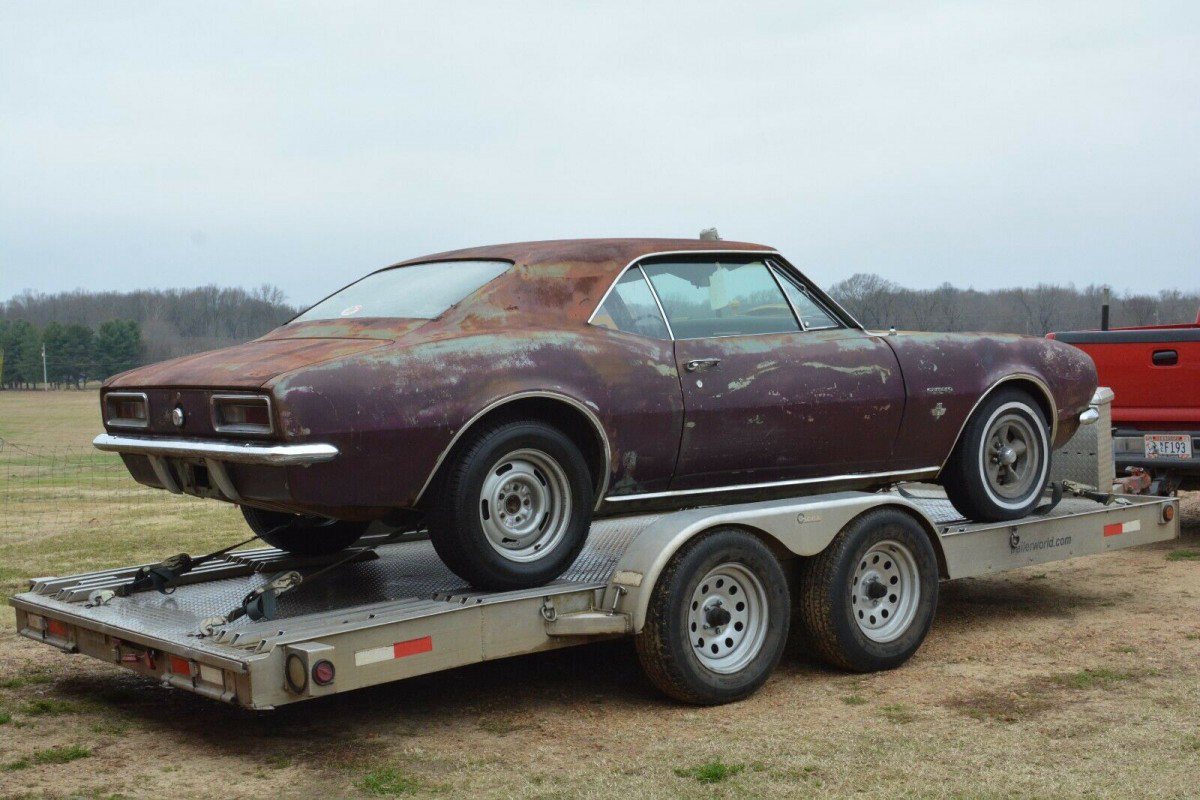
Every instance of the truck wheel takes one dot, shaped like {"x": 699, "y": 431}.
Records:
{"x": 1002, "y": 460}
{"x": 868, "y": 599}
{"x": 718, "y": 619}
{"x": 513, "y": 509}
{"x": 302, "y": 534}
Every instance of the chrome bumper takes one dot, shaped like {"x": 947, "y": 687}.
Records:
{"x": 275, "y": 455}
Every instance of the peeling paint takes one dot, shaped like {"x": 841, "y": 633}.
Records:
{"x": 873, "y": 369}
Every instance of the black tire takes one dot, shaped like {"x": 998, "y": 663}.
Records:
{"x": 671, "y": 653}
{"x": 302, "y": 534}
{"x": 837, "y": 584}
{"x": 975, "y": 475}
{"x": 536, "y": 479}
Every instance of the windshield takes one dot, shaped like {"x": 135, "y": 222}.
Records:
{"x": 421, "y": 291}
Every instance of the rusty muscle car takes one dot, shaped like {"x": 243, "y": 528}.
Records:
{"x": 506, "y": 394}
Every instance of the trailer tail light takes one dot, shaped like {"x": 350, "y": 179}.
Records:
{"x": 296, "y": 674}
{"x": 1168, "y": 512}
{"x": 180, "y": 666}
{"x": 126, "y": 409}
{"x": 239, "y": 413}
{"x": 323, "y": 673}
{"x": 56, "y": 628}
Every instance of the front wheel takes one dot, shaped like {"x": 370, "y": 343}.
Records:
{"x": 302, "y": 534}
{"x": 1002, "y": 461}
{"x": 513, "y": 508}
{"x": 717, "y": 621}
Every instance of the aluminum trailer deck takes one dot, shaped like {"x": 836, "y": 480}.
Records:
{"x": 398, "y": 612}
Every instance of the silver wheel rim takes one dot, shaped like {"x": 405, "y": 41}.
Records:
{"x": 525, "y": 505}
{"x": 885, "y": 591}
{"x": 1012, "y": 456}
{"x": 727, "y": 618}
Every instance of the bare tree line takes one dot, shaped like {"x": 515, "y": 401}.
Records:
{"x": 173, "y": 322}
{"x": 879, "y": 303}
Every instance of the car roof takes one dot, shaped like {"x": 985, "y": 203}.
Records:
{"x": 557, "y": 281}
{"x": 590, "y": 251}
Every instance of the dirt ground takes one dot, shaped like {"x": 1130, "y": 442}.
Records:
{"x": 1077, "y": 679}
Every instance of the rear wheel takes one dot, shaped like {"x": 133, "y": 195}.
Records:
{"x": 303, "y": 534}
{"x": 513, "y": 508}
{"x": 868, "y": 599}
{"x": 1002, "y": 461}
{"x": 717, "y": 621}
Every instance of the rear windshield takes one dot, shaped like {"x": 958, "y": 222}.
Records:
{"x": 420, "y": 291}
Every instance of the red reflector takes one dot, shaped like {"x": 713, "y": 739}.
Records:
{"x": 412, "y": 647}
{"x": 181, "y": 666}
{"x": 322, "y": 673}
{"x": 57, "y": 628}
{"x": 1114, "y": 530}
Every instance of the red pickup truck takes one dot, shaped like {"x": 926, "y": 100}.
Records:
{"x": 1154, "y": 372}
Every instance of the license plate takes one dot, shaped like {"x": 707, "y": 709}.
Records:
{"x": 1168, "y": 445}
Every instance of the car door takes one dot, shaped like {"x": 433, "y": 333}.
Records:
{"x": 767, "y": 397}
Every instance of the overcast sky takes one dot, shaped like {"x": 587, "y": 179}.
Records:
{"x": 304, "y": 144}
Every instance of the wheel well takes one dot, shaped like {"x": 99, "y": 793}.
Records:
{"x": 934, "y": 541}
{"x": 1037, "y": 392}
{"x": 1032, "y": 388}
{"x": 575, "y": 424}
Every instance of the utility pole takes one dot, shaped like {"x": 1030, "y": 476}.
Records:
{"x": 45, "y": 380}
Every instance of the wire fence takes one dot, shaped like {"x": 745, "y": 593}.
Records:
{"x": 53, "y": 489}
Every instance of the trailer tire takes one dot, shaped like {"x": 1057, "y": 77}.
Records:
{"x": 868, "y": 599}
{"x": 512, "y": 510}
{"x": 725, "y": 582}
{"x": 1002, "y": 460}
{"x": 303, "y": 535}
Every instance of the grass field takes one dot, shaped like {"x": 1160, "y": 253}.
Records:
{"x": 1077, "y": 679}
{"x": 65, "y": 506}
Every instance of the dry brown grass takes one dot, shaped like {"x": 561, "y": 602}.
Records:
{"x": 1014, "y": 694}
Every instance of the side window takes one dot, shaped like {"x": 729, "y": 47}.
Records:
{"x": 812, "y": 313}
{"x": 709, "y": 298}
{"x": 630, "y": 307}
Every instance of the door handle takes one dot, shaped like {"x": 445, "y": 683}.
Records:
{"x": 697, "y": 364}
{"x": 1165, "y": 358}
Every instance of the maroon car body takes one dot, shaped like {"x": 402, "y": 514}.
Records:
{"x": 803, "y": 410}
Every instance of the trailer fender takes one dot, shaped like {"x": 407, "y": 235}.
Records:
{"x": 801, "y": 528}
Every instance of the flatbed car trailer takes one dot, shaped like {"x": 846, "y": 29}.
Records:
{"x": 708, "y": 593}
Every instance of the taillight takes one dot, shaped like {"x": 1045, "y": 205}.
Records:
{"x": 239, "y": 413}
{"x": 323, "y": 673}
{"x": 126, "y": 409}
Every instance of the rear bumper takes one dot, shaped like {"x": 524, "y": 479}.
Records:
{"x": 275, "y": 455}
{"x": 1129, "y": 451}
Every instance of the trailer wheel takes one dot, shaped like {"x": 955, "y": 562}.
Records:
{"x": 302, "y": 534}
{"x": 718, "y": 619}
{"x": 868, "y": 599}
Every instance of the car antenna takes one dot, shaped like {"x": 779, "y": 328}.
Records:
{"x": 710, "y": 235}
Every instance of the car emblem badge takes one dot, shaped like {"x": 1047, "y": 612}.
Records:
{"x": 177, "y": 417}
{"x": 937, "y": 411}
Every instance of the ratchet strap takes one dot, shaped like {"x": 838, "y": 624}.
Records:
{"x": 163, "y": 575}
{"x": 1059, "y": 488}
{"x": 261, "y": 603}
{"x": 1056, "y": 496}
